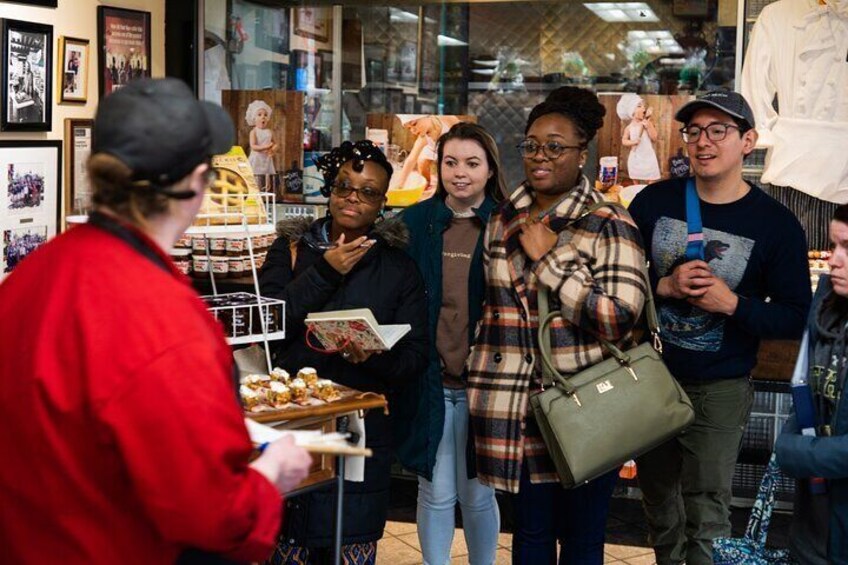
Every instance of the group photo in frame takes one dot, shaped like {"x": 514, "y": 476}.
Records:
{"x": 73, "y": 69}
{"x": 124, "y": 44}
{"x": 29, "y": 198}
{"x": 27, "y": 71}
{"x": 77, "y": 151}
{"x": 312, "y": 22}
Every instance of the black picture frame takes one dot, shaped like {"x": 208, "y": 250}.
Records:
{"x": 39, "y": 160}
{"x": 27, "y": 86}
{"x": 272, "y": 30}
{"x": 123, "y": 59}
{"x": 43, "y": 3}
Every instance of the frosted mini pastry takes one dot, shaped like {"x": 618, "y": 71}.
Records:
{"x": 249, "y": 397}
{"x": 278, "y": 394}
{"x": 256, "y": 381}
{"x": 280, "y": 375}
{"x": 309, "y": 376}
{"x": 299, "y": 392}
{"x": 325, "y": 390}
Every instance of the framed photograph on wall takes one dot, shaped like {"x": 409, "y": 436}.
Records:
{"x": 45, "y": 3}
{"x": 312, "y": 23}
{"x": 77, "y": 150}
{"x": 29, "y": 198}
{"x": 123, "y": 42}
{"x": 27, "y": 76}
{"x": 73, "y": 69}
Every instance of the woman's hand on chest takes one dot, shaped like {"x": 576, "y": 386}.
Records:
{"x": 536, "y": 239}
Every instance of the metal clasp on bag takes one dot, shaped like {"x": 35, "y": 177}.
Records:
{"x": 657, "y": 342}
{"x": 629, "y": 369}
{"x": 575, "y": 399}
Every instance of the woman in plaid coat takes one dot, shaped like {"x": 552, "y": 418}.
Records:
{"x": 595, "y": 268}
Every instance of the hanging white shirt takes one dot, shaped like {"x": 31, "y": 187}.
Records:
{"x": 799, "y": 51}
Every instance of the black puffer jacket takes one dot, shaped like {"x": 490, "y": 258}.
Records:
{"x": 388, "y": 282}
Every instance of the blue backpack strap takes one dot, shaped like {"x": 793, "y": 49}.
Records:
{"x": 695, "y": 237}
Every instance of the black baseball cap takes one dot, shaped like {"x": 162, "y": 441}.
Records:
{"x": 729, "y": 102}
{"x": 160, "y": 130}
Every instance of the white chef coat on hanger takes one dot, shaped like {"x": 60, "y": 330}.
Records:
{"x": 799, "y": 51}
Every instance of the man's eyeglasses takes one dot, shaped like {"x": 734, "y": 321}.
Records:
{"x": 365, "y": 194}
{"x": 552, "y": 150}
{"x": 715, "y": 132}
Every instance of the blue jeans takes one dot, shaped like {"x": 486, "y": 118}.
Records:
{"x": 545, "y": 513}
{"x": 437, "y": 499}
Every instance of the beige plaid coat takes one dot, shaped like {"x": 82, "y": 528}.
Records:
{"x": 597, "y": 271}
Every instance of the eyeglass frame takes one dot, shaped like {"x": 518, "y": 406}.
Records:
{"x": 358, "y": 191}
{"x": 684, "y": 134}
{"x": 543, "y": 146}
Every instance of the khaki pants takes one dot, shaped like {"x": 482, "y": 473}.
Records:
{"x": 686, "y": 482}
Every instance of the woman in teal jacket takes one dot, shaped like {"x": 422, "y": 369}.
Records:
{"x": 447, "y": 244}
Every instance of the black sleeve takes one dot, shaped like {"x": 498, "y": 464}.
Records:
{"x": 307, "y": 292}
{"x": 787, "y": 281}
{"x": 406, "y": 361}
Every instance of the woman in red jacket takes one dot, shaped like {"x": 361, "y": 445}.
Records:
{"x": 118, "y": 410}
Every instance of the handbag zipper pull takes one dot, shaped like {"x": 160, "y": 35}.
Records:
{"x": 577, "y": 400}
{"x": 632, "y": 372}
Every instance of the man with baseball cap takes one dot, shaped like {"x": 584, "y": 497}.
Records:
{"x": 728, "y": 267}
{"x": 125, "y": 437}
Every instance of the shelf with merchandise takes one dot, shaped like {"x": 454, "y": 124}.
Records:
{"x": 252, "y": 318}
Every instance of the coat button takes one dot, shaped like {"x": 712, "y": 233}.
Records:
{"x": 496, "y": 315}
{"x": 497, "y": 357}
{"x": 528, "y": 358}
{"x": 524, "y": 315}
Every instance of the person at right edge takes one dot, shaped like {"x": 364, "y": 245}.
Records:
{"x": 752, "y": 283}
{"x": 819, "y": 530}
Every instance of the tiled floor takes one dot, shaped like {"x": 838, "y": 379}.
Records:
{"x": 400, "y": 546}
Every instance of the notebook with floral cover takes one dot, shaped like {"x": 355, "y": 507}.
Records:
{"x": 334, "y": 328}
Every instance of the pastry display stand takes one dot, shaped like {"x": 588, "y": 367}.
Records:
{"x": 324, "y": 417}
{"x": 238, "y": 222}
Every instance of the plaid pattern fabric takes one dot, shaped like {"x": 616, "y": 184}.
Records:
{"x": 596, "y": 272}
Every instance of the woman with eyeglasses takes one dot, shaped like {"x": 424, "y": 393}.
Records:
{"x": 352, "y": 258}
{"x": 593, "y": 265}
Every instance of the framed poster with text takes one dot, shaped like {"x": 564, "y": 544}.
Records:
{"x": 123, "y": 41}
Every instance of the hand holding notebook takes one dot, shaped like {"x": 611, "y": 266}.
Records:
{"x": 334, "y": 329}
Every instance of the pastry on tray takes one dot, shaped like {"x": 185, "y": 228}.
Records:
{"x": 299, "y": 391}
{"x": 249, "y": 397}
{"x": 309, "y": 376}
{"x": 280, "y": 375}
{"x": 325, "y": 390}
{"x": 278, "y": 394}
{"x": 256, "y": 381}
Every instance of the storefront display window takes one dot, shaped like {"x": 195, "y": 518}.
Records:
{"x": 490, "y": 60}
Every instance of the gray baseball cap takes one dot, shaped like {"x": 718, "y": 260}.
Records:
{"x": 729, "y": 102}
{"x": 160, "y": 130}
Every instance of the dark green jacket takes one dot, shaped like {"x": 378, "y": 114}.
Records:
{"x": 427, "y": 221}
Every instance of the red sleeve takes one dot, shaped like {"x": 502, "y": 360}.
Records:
{"x": 181, "y": 433}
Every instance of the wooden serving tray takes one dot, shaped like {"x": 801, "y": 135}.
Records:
{"x": 350, "y": 400}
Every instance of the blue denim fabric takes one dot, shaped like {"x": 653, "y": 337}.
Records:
{"x": 437, "y": 499}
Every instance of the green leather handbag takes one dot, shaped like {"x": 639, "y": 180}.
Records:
{"x": 596, "y": 420}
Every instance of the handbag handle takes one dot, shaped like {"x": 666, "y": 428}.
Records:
{"x": 546, "y": 317}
